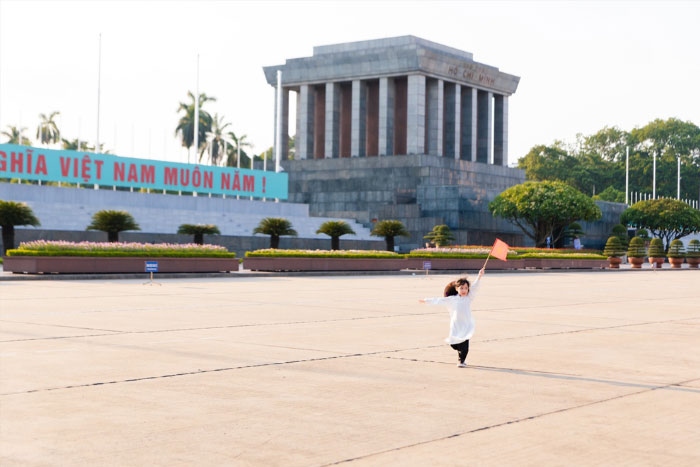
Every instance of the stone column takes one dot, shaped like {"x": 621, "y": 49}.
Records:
{"x": 453, "y": 110}
{"x": 359, "y": 111}
{"x": 500, "y": 130}
{"x": 435, "y": 110}
{"x": 285, "y": 124}
{"x": 386, "y": 116}
{"x": 415, "y": 115}
{"x": 468, "y": 126}
{"x": 485, "y": 127}
{"x": 332, "y": 120}
{"x": 305, "y": 129}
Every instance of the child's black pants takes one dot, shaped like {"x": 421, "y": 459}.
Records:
{"x": 463, "y": 349}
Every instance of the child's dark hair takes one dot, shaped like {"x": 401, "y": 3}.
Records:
{"x": 451, "y": 288}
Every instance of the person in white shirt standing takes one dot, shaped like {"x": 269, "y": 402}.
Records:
{"x": 458, "y": 298}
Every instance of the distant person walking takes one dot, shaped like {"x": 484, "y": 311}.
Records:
{"x": 458, "y": 297}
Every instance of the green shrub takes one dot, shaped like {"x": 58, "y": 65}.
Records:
{"x": 636, "y": 248}
{"x": 613, "y": 247}
{"x": 620, "y": 231}
{"x": 693, "y": 249}
{"x": 656, "y": 248}
{"x": 643, "y": 234}
{"x": 676, "y": 250}
{"x": 440, "y": 235}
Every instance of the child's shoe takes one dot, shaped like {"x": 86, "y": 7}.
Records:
{"x": 462, "y": 365}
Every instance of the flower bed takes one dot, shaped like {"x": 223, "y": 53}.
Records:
{"x": 88, "y": 257}
{"x": 174, "y": 250}
{"x": 323, "y": 260}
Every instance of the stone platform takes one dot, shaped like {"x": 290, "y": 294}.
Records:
{"x": 595, "y": 368}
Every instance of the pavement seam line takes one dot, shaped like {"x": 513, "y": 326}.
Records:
{"x": 509, "y": 422}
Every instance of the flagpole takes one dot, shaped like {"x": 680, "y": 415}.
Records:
{"x": 99, "y": 73}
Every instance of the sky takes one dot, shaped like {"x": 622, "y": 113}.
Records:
{"x": 583, "y": 65}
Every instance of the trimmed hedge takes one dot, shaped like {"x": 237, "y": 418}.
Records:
{"x": 322, "y": 254}
{"x": 558, "y": 256}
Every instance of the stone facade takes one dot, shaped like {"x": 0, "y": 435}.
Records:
{"x": 421, "y": 191}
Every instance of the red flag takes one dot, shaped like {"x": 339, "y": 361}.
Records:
{"x": 499, "y": 250}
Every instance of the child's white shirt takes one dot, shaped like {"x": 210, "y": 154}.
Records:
{"x": 461, "y": 319}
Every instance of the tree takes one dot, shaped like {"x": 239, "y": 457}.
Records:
{"x": 667, "y": 219}
{"x": 598, "y": 160}
{"x": 611, "y": 194}
{"x": 47, "y": 131}
{"x": 217, "y": 140}
{"x": 13, "y": 213}
{"x": 185, "y": 127}
{"x": 275, "y": 227}
{"x": 232, "y": 154}
{"x": 198, "y": 230}
{"x": 15, "y": 136}
{"x": 440, "y": 235}
{"x": 620, "y": 231}
{"x": 573, "y": 230}
{"x": 389, "y": 229}
{"x": 335, "y": 230}
{"x": 113, "y": 222}
{"x": 543, "y": 209}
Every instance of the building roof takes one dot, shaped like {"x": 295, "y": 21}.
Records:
{"x": 394, "y": 56}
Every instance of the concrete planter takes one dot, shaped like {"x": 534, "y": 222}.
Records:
{"x": 676, "y": 263}
{"x": 693, "y": 262}
{"x": 614, "y": 262}
{"x": 94, "y": 265}
{"x": 636, "y": 262}
{"x": 656, "y": 261}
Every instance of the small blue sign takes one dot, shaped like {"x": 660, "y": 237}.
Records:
{"x": 151, "y": 266}
{"x": 427, "y": 265}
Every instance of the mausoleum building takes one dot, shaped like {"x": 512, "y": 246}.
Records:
{"x": 396, "y": 96}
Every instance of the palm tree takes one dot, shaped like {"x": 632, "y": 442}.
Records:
{"x": 112, "y": 222}
{"x": 232, "y": 154}
{"x": 275, "y": 227}
{"x": 335, "y": 229}
{"x": 47, "y": 131}
{"x": 198, "y": 230}
{"x": 185, "y": 127}
{"x": 15, "y": 136}
{"x": 440, "y": 235}
{"x": 389, "y": 229}
{"x": 217, "y": 140}
{"x": 13, "y": 213}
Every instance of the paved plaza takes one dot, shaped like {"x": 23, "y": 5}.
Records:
{"x": 571, "y": 368}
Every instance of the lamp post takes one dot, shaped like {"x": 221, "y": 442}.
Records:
{"x": 627, "y": 175}
{"x": 678, "y": 189}
{"x": 653, "y": 196}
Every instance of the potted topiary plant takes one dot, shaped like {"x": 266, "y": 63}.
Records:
{"x": 636, "y": 252}
{"x": 656, "y": 253}
{"x": 676, "y": 254}
{"x": 613, "y": 250}
{"x": 692, "y": 256}
{"x": 644, "y": 235}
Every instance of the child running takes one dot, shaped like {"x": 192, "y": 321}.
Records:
{"x": 458, "y": 298}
